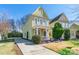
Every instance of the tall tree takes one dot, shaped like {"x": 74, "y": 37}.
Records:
{"x": 18, "y": 25}
{"x": 75, "y": 13}
{"x": 57, "y": 31}
{"x": 4, "y": 24}
{"x": 12, "y": 24}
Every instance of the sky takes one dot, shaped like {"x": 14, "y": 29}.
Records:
{"x": 17, "y": 11}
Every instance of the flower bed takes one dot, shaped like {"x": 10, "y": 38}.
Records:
{"x": 64, "y": 47}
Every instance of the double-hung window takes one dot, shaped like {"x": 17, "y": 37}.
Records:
{"x": 40, "y": 21}
{"x": 36, "y": 21}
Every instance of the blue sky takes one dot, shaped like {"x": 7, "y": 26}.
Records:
{"x": 16, "y": 11}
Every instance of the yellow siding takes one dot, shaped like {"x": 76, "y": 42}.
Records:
{"x": 28, "y": 28}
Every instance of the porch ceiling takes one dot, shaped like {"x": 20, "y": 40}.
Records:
{"x": 41, "y": 27}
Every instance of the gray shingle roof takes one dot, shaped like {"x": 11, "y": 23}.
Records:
{"x": 56, "y": 18}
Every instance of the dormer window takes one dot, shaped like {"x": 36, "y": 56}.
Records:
{"x": 40, "y": 13}
{"x": 36, "y": 21}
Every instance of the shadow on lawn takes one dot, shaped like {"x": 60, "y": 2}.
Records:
{"x": 7, "y": 40}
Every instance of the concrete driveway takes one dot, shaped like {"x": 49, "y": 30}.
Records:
{"x": 28, "y": 48}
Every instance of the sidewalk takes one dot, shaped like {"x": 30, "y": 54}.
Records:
{"x": 28, "y": 48}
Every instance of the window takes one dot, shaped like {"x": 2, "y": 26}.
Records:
{"x": 41, "y": 21}
{"x": 36, "y": 20}
{"x": 45, "y": 22}
{"x": 40, "y": 13}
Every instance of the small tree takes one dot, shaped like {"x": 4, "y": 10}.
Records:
{"x": 66, "y": 34}
{"x": 57, "y": 31}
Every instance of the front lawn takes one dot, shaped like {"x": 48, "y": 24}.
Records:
{"x": 64, "y": 47}
{"x": 8, "y": 47}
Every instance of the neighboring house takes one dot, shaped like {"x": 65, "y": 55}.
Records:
{"x": 73, "y": 29}
{"x": 62, "y": 19}
{"x": 36, "y": 24}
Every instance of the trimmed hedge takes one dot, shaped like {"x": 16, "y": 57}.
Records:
{"x": 36, "y": 39}
{"x": 15, "y": 34}
{"x": 7, "y": 40}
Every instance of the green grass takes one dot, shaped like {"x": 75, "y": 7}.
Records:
{"x": 70, "y": 47}
{"x": 75, "y": 42}
{"x": 66, "y": 51}
{"x": 7, "y": 48}
{"x": 69, "y": 51}
{"x": 7, "y": 40}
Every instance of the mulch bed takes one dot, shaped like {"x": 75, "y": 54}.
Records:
{"x": 17, "y": 49}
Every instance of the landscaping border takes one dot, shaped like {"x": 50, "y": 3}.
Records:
{"x": 19, "y": 50}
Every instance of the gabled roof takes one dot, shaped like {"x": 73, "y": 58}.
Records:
{"x": 25, "y": 18}
{"x": 36, "y": 14}
{"x": 57, "y": 17}
{"x": 40, "y": 9}
{"x": 74, "y": 24}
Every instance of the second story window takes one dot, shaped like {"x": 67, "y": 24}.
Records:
{"x": 40, "y": 21}
{"x": 36, "y": 21}
{"x": 46, "y": 22}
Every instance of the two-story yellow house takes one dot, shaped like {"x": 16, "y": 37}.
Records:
{"x": 36, "y": 24}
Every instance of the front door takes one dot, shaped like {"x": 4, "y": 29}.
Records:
{"x": 27, "y": 35}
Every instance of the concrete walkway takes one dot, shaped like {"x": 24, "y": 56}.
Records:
{"x": 28, "y": 48}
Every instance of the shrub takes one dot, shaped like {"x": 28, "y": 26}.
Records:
{"x": 66, "y": 51}
{"x": 57, "y": 31}
{"x": 15, "y": 34}
{"x": 66, "y": 34}
{"x": 36, "y": 39}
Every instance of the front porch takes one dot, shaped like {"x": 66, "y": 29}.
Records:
{"x": 43, "y": 32}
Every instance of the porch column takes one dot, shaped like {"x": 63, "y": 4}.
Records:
{"x": 46, "y": 33}
{"x": 36, "y": 31}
